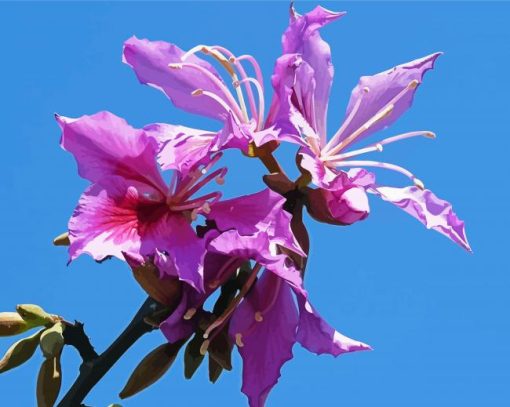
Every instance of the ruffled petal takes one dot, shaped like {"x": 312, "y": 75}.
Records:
{"x": 430, "y": 210}
{"x": 319, "y": 337}
{"x": 303, "y": 37}
{"x": 181, "y": 148}
{"x": 105, "y": 146}
{"x": 259, "y": 212}
{"x": 258, "y": 247}
{"x": 265, "y": 345}
{"x": 374, "y": 94}
{"x": 150, "y": 59}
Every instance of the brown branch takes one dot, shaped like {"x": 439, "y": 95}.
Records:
{"x": 94, "y": 367}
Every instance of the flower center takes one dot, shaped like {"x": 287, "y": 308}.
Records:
{"x": 183, "y": 188}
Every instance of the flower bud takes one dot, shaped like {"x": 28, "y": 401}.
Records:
{"x": 341, "y": 207}
{"x": 11, "y": 323}
{"x": 52, "y": 340}
{"x": 20, "y": 352}
{"x": 35, "y": 315}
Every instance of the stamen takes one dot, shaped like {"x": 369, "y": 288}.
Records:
{"x": 378, "y": 164}
{"x": 215, "y": 97}
{"x": 258, "y": 316}
{"x": 219, "y": 84}
{"x": 403, "y": 136}
{"x": 239, "y": 340}
{"x": 260, "y": 113}
{"x": 232, "y": 306}
{"x": 183, "y": 194}
{"x": 258, "y": 73}
{"x": 354, "y": 153}
{"x": 380, "y": 115}
{"x": 190, "y": 313}
{"x": 194, "y": 176}
{"x": 204, "y": 347}
{"x": 198, "y": 203}
{"x": 347, "y": 121}
{"x": 194, "y": 50}
{"x": 254, "y": 64}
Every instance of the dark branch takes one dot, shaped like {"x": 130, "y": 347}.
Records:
{"x": 94, "y": 367}
{"x": 74, "y": 335}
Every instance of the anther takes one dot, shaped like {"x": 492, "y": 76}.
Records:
{"x": 214, "y": 284}
{"x": 419, "y": 183}
{"x": 429, "y": 134}
{"x": 366, "y": 89}
{"x": 239, "y": 340}
{"x": 379, "y": 147}
{"x": 258, "y": 316}
{"x": 175, "y": 66}
{"x": 220, "y": 180}
{"x": 204, "y": 347}
{"x": 197, "y": 92}
{"x": 413, "y": 84}
{"x": 232, "y": 59}
{"x": 189, "y": 314}
{"x": 206, "y": 208}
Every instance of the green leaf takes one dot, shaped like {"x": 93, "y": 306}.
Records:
{"x": 20, "y": 352}
{"x": 151, "y": 368}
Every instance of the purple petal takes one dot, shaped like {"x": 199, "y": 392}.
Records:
{"x": 175, "y": 327}
{"x": 259, "y": 212}
{"x": 433, "y": 212}
{"x": 106, "y": 146}
{"x": 319, "y": 337}
{"x": 267, "y": 344}
{"x": 258, "y": 247}
{"x": 150, "y": 59}
{"x": 181, "y": 148}
{"x": 303, "y": 37}
{"x": 293, "y": 104}
{"x": 377, "y": 92}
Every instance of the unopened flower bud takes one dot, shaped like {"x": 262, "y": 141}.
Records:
{"x": 11, "y": 323}
{"x": 342, "y": 207}
{"x": 52, "y": 340}
{"x": 35, "y": 315}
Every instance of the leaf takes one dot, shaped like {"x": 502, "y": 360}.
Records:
{"x": 49, "y": 382}
{"x": 20, "y": 352}
{"x": 192, "y": 356}
{"x": 11, "y": 323}
{"x": 151, "y": 368}
{"x": 215, "y": 370}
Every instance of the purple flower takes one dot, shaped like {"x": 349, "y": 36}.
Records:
{"x": 263, "y": 319}
{"x": 302, "y": 81}
{"x": 129, "y": 210}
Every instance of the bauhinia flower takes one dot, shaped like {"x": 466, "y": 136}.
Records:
{"x": 263, "y": 320}
{"x": 302, "y": 82}
{"x": 129, "y": 210}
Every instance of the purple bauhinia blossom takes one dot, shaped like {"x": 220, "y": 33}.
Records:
{"x": 302, "y": 81}
{"x": 129, "y": 210}
{"x": 263, "y": 319}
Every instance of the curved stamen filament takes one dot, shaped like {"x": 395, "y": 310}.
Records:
{"x": 255, "y": 65}
{"x": 380, "y": 115}
{"x": 242, "y": 72}
{"x": 403, "y": 136}
{"x": 388, "y": 166}
{"x": 259, "y": 115}
{"x": 347, "y": 121}
{"x": 194, "y": 176}
{"x": 220, "y": 101}
{"x": 218, "y": 173}
{"x": 225, "y": 62}
{"x": 230, "y": 101}
{"x": 223, "y": 318}
{"x": 197, "y": 203}
{"x": 354, "y": 153}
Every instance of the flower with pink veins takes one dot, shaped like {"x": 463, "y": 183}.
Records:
{"x": 129, "y": 210}
{"x": 302, "y": 82}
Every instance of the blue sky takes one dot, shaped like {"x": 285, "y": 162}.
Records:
{"x": 436, "y": 316}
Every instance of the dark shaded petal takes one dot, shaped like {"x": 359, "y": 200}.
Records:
{"x": 267, "y": 344}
